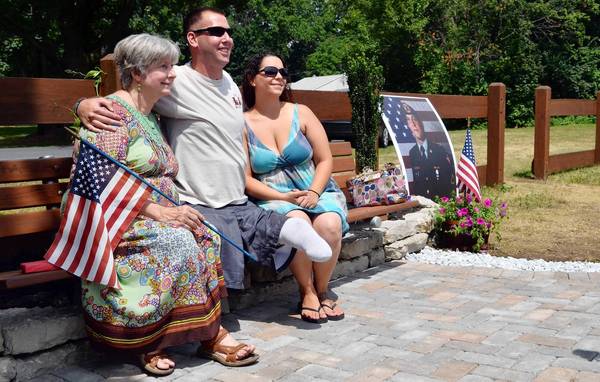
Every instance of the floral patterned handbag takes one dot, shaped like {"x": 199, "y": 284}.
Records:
{"x": 376, "y": 188}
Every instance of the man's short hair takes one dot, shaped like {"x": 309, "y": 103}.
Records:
{"x": 195, "y": 15}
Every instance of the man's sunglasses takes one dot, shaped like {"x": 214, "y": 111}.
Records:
{"x": 214, "y": 31}
{"x": 271, "y": 71}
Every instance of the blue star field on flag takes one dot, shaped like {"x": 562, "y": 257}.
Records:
{"x": 392, "y": 109}
{"x": 468, "y": 148}
{"x": 468, "y": 180}
{"x": 92, "y": 174}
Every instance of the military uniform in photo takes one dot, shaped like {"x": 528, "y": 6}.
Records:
{"x": 433, "y": 172}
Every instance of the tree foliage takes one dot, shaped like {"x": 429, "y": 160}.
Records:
{"x": 441, "y": 46}
{"x": 365, "y": 80}
{"x": 521, "y": 43}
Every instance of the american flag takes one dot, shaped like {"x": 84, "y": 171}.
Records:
{"x": 468, "y": 181}
{"x": 103, "y": 200}
{"x": 392, "y": 109}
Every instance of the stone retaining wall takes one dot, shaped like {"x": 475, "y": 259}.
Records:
{"x": 34, "y": 338}
{"x": 365, "y": 246}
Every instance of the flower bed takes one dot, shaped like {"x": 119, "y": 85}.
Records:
{"x": 465, "y": 223}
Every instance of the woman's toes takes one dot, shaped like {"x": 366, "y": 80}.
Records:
{"x": 331, "y": 308}
{"x": 165, "y": 364}
{"x": 322, "y": 313}
{"x": 170, "y": 362}
{"x": 245, "y": 351}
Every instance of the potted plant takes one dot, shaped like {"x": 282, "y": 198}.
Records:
{"x": 464, "y": 223}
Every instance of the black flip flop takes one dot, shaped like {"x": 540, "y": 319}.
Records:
{"x": 332, "y": 307}
{"x": 312, "y": 320}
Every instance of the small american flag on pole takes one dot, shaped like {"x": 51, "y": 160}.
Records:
{"x": 468, "y": 181}
{"x": 103, "y": 200}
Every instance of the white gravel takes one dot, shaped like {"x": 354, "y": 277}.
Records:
{"x": 468, "y": 259}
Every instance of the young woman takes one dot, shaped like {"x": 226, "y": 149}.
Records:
{"x": 290, "y": 172}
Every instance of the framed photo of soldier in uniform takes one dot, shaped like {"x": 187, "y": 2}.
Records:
{"x": 422, "y": 145}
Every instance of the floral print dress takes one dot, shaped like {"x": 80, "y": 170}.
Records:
{"x": 171, "y": 279}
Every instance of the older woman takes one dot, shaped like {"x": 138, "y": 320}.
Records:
{"x": 167, "y": 262}
{"x": 290, "y": 172}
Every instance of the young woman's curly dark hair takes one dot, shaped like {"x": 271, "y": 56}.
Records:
{"x": 252, "y": 68}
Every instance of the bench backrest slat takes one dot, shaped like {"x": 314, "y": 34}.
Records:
{"x": 344, "y": 167}
{"x": 28, "y": 101}
{"x": 34, "y": 169}
{"x": 340, "y": 148}
{"x": 341, "y": 164}
{"x": 29, "y": 222}
{"x": 31, "y": 196}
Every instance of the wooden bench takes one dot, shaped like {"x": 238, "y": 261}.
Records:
{"x": 25, "y": 231}
{"x": 32, "y": 191}
{"x": 38, "y": 184}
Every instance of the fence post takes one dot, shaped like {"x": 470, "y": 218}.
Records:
{"x": 597, "y": 153}
{"x": 111, "y": 81}
{"x": 495, "y": 139}
{"x": 541, "y": 148}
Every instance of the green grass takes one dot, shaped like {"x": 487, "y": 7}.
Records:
{"x": 536, "y": 200}
{"x": 588, "y": 176}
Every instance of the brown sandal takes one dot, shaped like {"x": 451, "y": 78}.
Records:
{"x": 225, "y": 355}
{"x": 149, "y": 363}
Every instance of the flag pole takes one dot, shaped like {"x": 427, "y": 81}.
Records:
{"x": 207, "y": 224}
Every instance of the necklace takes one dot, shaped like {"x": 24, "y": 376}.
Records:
{"x": 149, "y": 123}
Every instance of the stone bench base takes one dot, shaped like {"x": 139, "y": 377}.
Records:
{"x": 363, "y": 247}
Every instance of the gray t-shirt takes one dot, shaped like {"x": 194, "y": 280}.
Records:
{"x": 204, "y": 122}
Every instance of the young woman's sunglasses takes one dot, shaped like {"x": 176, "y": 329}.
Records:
{"x": 214, "y": 31}
{"x": 271, "y": 71}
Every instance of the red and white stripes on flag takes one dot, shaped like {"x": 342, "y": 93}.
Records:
{"x": 103, "y": 200}
{"x": 468, "y": 181}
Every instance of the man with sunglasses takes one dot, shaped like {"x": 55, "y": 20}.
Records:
{"x": 203, "y": 119}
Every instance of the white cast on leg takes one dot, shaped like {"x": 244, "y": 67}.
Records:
{"x": 300, "y": 234}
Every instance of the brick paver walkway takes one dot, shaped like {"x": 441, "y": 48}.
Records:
{"x": 412, "y": 322}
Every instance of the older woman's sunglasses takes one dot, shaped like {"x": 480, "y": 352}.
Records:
{"x": 271, "y": 71}
{"x": 214, "y": 31}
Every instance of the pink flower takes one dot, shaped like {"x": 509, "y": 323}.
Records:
{"x": 459, "y": 200}
{"x": 469, "y": 222}
{"x": 476, "y": 209}
{"x": 444, "y": 199}
{"x": 480, "y": 221}
{"x": 442, "y": 210}
{"x": 469, "y": 198}
{"x": 487, "y": 202}
{"x": 463, "y": 212}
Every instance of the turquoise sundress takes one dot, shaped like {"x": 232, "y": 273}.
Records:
{"x": 293, "y": 169}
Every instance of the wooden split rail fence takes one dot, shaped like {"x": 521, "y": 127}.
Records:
{"x": 546, "y": 108}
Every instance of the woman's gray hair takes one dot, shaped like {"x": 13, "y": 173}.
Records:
{"x": 140, "y": 51}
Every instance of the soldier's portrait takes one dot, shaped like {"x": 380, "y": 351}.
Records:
{"x": 422, "y": 144}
